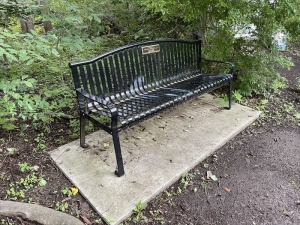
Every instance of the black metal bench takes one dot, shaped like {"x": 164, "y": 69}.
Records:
{"x": 135, "y": 81}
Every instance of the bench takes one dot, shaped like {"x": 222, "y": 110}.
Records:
{"x": 124, "y": 86}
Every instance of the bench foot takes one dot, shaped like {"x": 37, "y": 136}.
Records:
{"x": 119, "y": 174}
{"x": 84, "y": 145}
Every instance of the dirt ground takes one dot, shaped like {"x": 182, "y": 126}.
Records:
{"x": 258, "y": 172}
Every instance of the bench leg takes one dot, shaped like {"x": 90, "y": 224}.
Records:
{"x": 230, "y": 94}
{"x": 82, "y": 131}
{"x": 120, "y": 171}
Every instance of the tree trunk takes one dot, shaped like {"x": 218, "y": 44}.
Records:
{"x": 47, "y": 24}
{"x": 27, "y": 25}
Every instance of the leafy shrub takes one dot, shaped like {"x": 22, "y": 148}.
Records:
{"x": 19, "y": 101}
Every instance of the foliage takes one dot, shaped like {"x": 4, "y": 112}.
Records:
{"x": 138, "y": 211}
{"x": 20, "y": 101}
{"x": 236, "y": 95}
{"x": 67, "y": 192}
{"x": 134, "y": 22}
{"x": 24, "y": 184}
{"x": 25, "y": 167}
{"x": 221, "y": 25}
{"x": 75, "y": 128}
{"x": 9, "y": 9}
{"x": 24, "y": 48}
{"x": 61, "y": 206}
{"x": 35, "y": 64}
{"x": 186, "y": 178}
{"x": 140, "y": 207}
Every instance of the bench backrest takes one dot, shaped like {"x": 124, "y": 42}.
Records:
{"x": 136, "y": 68}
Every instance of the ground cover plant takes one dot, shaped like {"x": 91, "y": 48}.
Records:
{"x": 38, "y": 111}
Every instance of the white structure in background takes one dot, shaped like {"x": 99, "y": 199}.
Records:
{"x": 280, "y": 40}
{"x": 248, "y": 33}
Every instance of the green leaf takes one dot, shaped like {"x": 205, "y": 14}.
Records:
{"x": 42, "y": 182}
{"x": 5, "y": 45}
{"x": 28, "y": 84}
{"x": 30, "y": 107}
{"x": 214, "y": 178}
{"x": 24, "y": 77}
{"x": 8, "y": 34}
{"x": 222, "y": 102}
{"x": 96, "y": 18}
{"x": 54, "y": 52}
{"x": 10, "y": 57}
{"x": 8, "y": 126}
{"x": 23, "y": 56}
{"x": 3, "y": 121}
{"x": 29, "y": 63}
{"x": 16, "y": 95}
{"x": 297, "y": 115}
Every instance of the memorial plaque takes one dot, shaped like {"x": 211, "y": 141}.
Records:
{"x": 150, "y": 49}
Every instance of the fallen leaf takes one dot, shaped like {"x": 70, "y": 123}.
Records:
{"x": 65, "y": 199}
{"x": 208, "y": 174}
{"x": 286, "y": 213}
{"x": 35, "y": 168}
{"x": 136, "y": 137}
{"x": 214, "y": 178}
{"x": 42, "y": 182}
{"x": 227, "y": 189}
{"x": 106, "y": 145}
{"x": 74, "y": 191}
{"x": 85, "y": 220}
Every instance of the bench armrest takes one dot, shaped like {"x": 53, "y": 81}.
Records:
{"x": 217, "y": 61}
{"x": 107, "y": 105}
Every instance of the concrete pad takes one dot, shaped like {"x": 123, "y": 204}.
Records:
{"x": 156, "y": 153}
